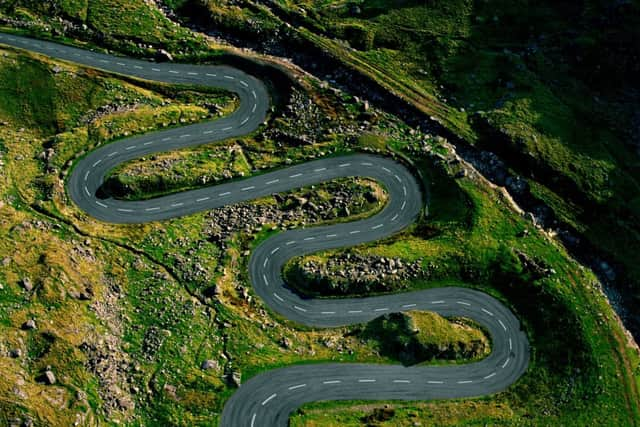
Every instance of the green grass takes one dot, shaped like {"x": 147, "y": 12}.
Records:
{"x": 416, "y": 337}
{"x": 508, "y": 65}
{"x": 582, "y": 371}
{"x": 566, "y": 383}
{"x": 46, "y": 250}
{"x": 133, "y": 26}
{"x": 492, "y": 412}
{"x": 187, "y": 169}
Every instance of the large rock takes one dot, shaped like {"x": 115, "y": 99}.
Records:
{"x": 49, "y": 378}
{"x": 235, "y": 378}
{"x": 27, "y": 284}
{"x": 209, "y": 364}
{"x": 29, "y": 325}
{"x": 163, "y": 56}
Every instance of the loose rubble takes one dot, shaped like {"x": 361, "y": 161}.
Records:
{"x": 353, "y": 273}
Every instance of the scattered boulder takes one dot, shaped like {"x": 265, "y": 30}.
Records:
{"x": 27, "y": 284}
{"x": 285, "y": 342}
{"x": 210, "y": 364}
{"x": 235, "y": 378}
{"x": 170, "y": 390}
{"x": 353, "y": 273}
{"x": 49, "y": 378}
{"x": 379, "y": 415}
{"x": 15, "y": 353}
{"x": 163, "y": 56}
{"x": 29, "y": 325}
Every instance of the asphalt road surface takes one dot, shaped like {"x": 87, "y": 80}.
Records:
{"x": 269, "y": 398}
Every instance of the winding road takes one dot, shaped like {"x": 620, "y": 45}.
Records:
{"x": 269, "y": 398}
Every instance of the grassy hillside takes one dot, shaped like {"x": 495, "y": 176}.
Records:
{"x": 126, "y": 315}
{"x": 549, "y": 86}
{"x": 135, "y": 27}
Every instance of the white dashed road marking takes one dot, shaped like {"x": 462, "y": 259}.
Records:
{"x": 269, "y": 399}
{"x": 295, "y": 387}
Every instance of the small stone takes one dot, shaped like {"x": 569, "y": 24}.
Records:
{"x": 15, "y": 353}
{"x": 285, "y": 342}
{"x": 29, "y": 325}
{"x": 27, "y": 284}
{"x": 236, "y": 378}
{"x": 163, "y": 56}
{"x": 209, "y": 364}
{"x": 49, "y": 378}
{"x": 170, "y": 390}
